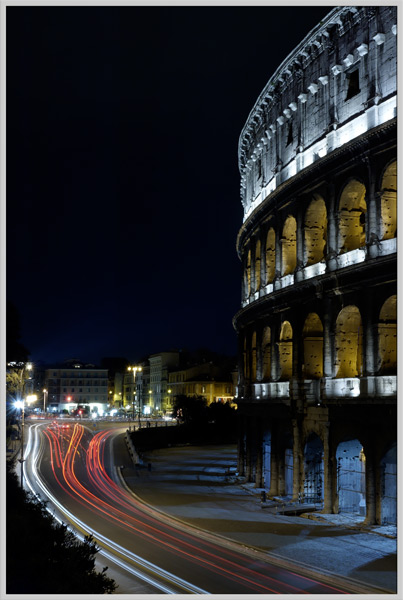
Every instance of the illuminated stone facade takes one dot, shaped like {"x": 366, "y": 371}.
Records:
{"x": 317, "y": 325}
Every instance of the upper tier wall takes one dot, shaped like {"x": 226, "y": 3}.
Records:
{"x": 337, "y": 84}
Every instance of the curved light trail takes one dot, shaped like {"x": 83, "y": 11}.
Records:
{"x": 79, "y": 472}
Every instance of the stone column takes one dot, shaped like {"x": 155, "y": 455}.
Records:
{"x": 281, "y": 470}
{"x": 259, "y": 456}
{"x": 253, "y": 266}
{"x": 241, "y": 448}
{"x": 296, "y": 482}
{"x": 248, "y": 451}
{"x": 262, "y": 259}
{"x": 328, "y": 480}
{"x": 370, "y": 489}
{"x": 370, "y": 362}
{"x": 300, "y": 245}
{"x": 332, "y": 219}
{"x": 328, "y": 335}
{"x": 278, "y": 253}
{"x": 274, "y": 462}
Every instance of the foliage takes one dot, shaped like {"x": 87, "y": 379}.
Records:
{"x": 13, "y": 382}
{"x": 190, "y": 409}
{"x": 193, "y": 410}
{"x": 43, "y": 556}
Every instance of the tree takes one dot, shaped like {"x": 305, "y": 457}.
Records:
{"x": 15, "y": 350}
{"x": 191, "y": 409}
{"x": 43, "y": 556}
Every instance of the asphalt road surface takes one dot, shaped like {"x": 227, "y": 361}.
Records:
{"x": 73, "y": 466}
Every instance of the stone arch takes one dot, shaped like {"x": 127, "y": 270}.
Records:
{"x": 348, "y": 343}
{"x": 266, "y": 353}
{"x": 257, "y": 266}
{"x": 387, "y": 336}
{"x": 253, "y": 349}
{"x": 315, "y": 231}
{"x": 351, "y": 493}
{"x": 389, "y": 487}
{"x": 352, "y": 212}
{"x": 312, "y": 334}
{"x": 389, "y": 202}
{"x": 289, "y": 246}
{"x": 270, "y": 255}
{"x": 285, "y": 351}
{"x": 313, "y": 469}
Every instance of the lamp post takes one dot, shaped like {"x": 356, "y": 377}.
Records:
{"x": 169, "y": 399}
{"x": 134, "y": 370}
{"x": 21, "y": 404}
{"x": 45, "y": 393}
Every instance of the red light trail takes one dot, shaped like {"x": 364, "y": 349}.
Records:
{"x": 79, "y": 469}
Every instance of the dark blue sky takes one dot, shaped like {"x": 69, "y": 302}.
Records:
{"x": 123, "y": 200}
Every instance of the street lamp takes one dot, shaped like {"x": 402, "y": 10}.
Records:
{"x": 45, "y": 393}
{"x": 134, "y": 370}
{"x": 21, "y": 404}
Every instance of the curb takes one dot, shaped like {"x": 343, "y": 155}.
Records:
{"x": 268, "y": 557}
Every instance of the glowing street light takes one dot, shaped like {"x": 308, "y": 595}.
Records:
{"x": 45, "y": 394}
{"x": 134, "y": 370}
{"x": 21, "y": 404}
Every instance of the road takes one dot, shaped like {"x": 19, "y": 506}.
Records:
{"x": 72, "y": 466}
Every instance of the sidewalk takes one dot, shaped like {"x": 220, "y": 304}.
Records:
{"x": 199, "y": 486}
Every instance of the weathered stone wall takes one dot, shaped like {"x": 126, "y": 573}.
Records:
{"x": 337, "y": 84}
{"x": 317, "y": 327}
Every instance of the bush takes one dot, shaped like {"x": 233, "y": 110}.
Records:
{"x": 43, "y": 556}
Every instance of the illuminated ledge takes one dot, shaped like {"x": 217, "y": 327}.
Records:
{"x": 354, "y": 257}
{"x": 381, "y": 386}
{"x": 372, "y": 117}
{"x": 274, "y": 389}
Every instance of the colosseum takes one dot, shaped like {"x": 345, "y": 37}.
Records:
{"x": 317, "y": 324}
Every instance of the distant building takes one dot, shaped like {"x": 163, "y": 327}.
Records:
{"x": 160, "y": 399}
{"x": 77, "y": 385}
{"x": 205, "y": 380}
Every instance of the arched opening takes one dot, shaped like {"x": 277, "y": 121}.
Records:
{"x": 387, "y": 332}
{"x": 257, "y": 266}
{"x": 389, "y": 202}
{"x": 352, "y": 211}
{"x": 312, "y": 334}
{"x": 267, "y": 459}
{"x": 289, "y": 246}
{"x": 348, "y": 343}
{"x": 285, "y": 351}
{"x": 351, "y": 477}
{"x": 266, "y": 352}
{"x": 248, "y": 274}
{"x": 313, "y": 469}
{"x": 254, "y": 356}
{"x": 389, "y": 487}
{"x": 270, "y": 255}
{"x": 315, "y": 231}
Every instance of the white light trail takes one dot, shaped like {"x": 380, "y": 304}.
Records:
{"x": 34, "y": 446}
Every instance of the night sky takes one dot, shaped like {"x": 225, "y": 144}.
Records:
{"x": 123, "y": 201}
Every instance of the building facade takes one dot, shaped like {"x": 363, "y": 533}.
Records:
{"x": 76, "y": 385}
{"x": 160, "y": 398}
{"x": 205, "y": 380}
{"x": 317, "y": 325}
